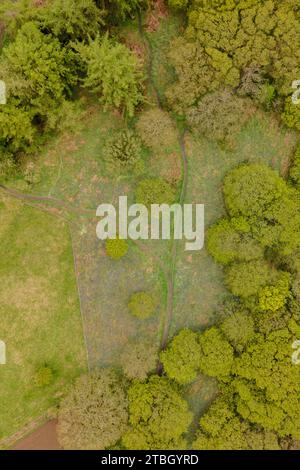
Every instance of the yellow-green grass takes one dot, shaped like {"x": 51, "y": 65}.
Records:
{"x": 40, "y": 318}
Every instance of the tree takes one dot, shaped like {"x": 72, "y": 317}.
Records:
{"x": 251, "y": 189}
{"x": 267, "y": 386}
{"x": 38, "y": 75}
{"x": 121, "y": 9}
{"x": 248, "y": 278}
{"x": 156, "y": 129}
{"x": 142, "y": 305}
{"x": 94, "y": 415}
{"x": 154, "y": 191}
{"x": 181, "y": 359}
{"x": 158, "y": 416}
{"x": 220, "y": 116}
{"x": 139, "y": 358}
{"x": 222, "y": 429}
{"x": 226, "y": 244}
{"x": 291, "y": 114}
{"x": 216, "y": 354}
{"x": 274, "y": 297}
{"x": 238, "y": 328}
{"x": 116, "y": 248}
{"x": 71, "y": 20}
{"x": 113, "y": 73}
{"x": 179, "y": 4}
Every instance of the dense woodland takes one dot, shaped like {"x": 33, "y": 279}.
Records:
{"x": 232, "y": 55}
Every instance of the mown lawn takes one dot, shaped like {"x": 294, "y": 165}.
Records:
{"x": 39, "y": 311}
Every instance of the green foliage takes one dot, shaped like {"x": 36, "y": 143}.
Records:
{"x": 154, "y": 191}
{"x": 123, "y": 151}
{"x": 181, "y": 359}
{"x": 94, "y": 415}
{"x": 44, "y": 376}
{"x": 291, "y": 114}
{"x": 156, "y": 129}
{"x": 252, "y": 32}
{"x": 216, "y": 354}
{"x": 250, "y": 190}
{"x": 38, "y": 75}
{"x": 196, "y": 74}
{"x": 139, "y": 359}
{"x": 71, "y": 20}
{"x": 248, "y": 278}
{"x": 220, "y": 116}
{"x": 113, "y": 73}
{"x": 116, "y": 248}
{"x": 271, "y": 207}
{"x": 222, "y": 429}
{"x": 142, "y": 305}
{"x": 274, "y": 297}
{"x": 226, "y": 244}
{"x": 158, "y": 416}
{"x": 121, "y": 9}
{"x": 16, "y": 129}
{"x": 238, "y": 328}
{"x": 179, "y": 4}
{"x": 268, "y": 384}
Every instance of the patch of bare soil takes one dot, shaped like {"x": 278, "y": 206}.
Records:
{"x": 43, "y": 438}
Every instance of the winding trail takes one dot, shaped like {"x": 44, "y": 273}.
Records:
{"x": 171, "y": 274}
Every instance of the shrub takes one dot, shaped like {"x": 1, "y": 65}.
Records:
{"x": 44, "y": 376}
{"x": 156, "y": 129}
{"x": 142, "y": 305}
{"x": 123, "y": 151}
{"x": 116, "y": 248}
{"x": 155, "y": 191}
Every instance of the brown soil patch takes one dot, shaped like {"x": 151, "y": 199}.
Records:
{"x": 44, "y": 438}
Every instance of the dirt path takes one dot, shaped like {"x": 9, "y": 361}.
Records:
{"x": 43, "y": 438}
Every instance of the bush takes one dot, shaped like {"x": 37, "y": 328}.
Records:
{"x": 123, "y": 151}
{"x": 156, "y": 129}
{"x": 44, "y": 376}
{"x": 142, "y": 305}
{"x": 220, "y": 116}
{"x": 138, "y": 359}
{"x": 94, "y": 414}
{"x": 116, "y": 248}
{"x": 155, "y": 191}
